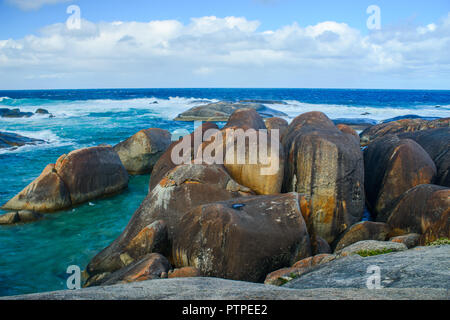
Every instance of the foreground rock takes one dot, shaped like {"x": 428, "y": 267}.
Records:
{"x": 220, "y": 289}
{"x": 327, "y": 165}
{"x": 422, "y": 267}
{"x": 182, "y": 189}
{"x": 242, "y": 239}
{"x": 400, "y": 126}
{"x": 410, "y": 240}
{"x": 370, "y": 247}
{"x": 140, "y": 152}
{"x": 9, "y": 140}
{"x": 393, "y": 166}
{"x": 221, "y": 111}
{"x": 366, "y": 230}
{"x": 80, "y": 176}
{"x": 425, "y": 210}
{"x": 436, "y": 142}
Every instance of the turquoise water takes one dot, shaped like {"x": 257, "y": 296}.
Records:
{"x": 34, "y": 257}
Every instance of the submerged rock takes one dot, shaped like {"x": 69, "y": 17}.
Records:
{"x": 140, "y": 152}
{"x": 221, "y": 111}
{"x": 266, "y": 234}
{"x": 8, "y": 140}
{"x": 327, "y": 165}
{"x": 392, "y": 167}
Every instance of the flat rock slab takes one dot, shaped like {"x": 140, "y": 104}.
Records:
{"x": 220, "y": 289}
{"x": 421, "y": 267}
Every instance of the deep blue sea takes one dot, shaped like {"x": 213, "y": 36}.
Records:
{"x": 34, "y": 257}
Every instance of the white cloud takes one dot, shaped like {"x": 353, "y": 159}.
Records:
{"x": 229, "y": 51}
{"x": 34, "y": 4}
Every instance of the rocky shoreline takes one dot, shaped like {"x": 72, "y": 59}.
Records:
{"x": 230, "y": 221}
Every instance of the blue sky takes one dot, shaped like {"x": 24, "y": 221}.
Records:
{"x": 249, "y": 43}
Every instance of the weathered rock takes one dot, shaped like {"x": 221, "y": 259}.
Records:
{"x": 278, "y": 124}
{"x": 46, "y": 193}
{"x": 186, "y": 272}
{"x": 92, "y": 172}
{"x": 425, "y": 210}
{"x": 326, "y": 164}
{"x": 321, "y": 246}
{"x": 251, "y": 156}
{"x": 242, "y": 239}
{"x": 14, "y": 113}
{"x": 221, "y": 289}
{"x": 23, "y": 216}
{"x": 221, "y": 111}
{"x": 165, "y": 162}
{"x": 436, "y": 142}
{"x": 140, "y": 152}
{"x": 150, "y": 267}
{"x": 416, "y": 268}
{"x": 410, "y": 240}
{"x": 348, "y": 130}
{"x": 280, "y": 277}
{"x": 393, "y": 166}
{"x": 8, "y": 140}
{"x": 366, "y": 230}
{"x": 400, "y": 126}
{"x": 182, "y": 189}
{"x": 153, "y": 238}
{"x": 370, "y": 246}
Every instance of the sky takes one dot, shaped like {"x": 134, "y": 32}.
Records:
{"x": 227, "y": 43}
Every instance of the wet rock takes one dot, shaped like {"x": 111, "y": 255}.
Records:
{"x": 327, "y": 165}
{"x": 366, "y": 230}
{"x": 14, "y": 113}
{"x": 23, "y": 216}
{"x": 400, "y": 126}
{"x": 8, "y": 140}
{"x": 393, "y": 166}
{"x": 425, "y": 210}
{"x": 140, "y": 152}
{"x": 245, "y": 243}
{"x": 221, "y": 111}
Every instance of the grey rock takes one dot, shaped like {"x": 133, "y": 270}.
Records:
{"x": 220, "y": 289}
{"x": 421, "y": 267}
{"x": 10, "y": 140}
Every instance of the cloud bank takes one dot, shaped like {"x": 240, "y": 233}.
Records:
{"x": 33, "y": 4}
{"x": 226, "y": 52}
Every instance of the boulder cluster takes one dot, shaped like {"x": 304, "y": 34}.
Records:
{"x": 229, "y": 220}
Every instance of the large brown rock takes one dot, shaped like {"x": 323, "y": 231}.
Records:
{"x": 182, "y": 189}
{"x": 400, "y": 126}
{"x": 327, "y": 165}
{"x": 393, "y": 166}
{"x": 140, "y": 152}
{"x": 92, "y": 172}
{"x": 242, "y": 239}
{"x": 366, "y": 230}
{"x": 165, "y": 162}
{"x": 252, "y": 156}
{"x": 150, "y": 267}
{"x": 425, "y": 210}
{"x": 46, "y": 193}
{"x": 436, "y": 142}
{"x": 277, "y": 124}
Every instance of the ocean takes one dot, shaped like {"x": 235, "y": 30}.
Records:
{"x": 34, "y": 257}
